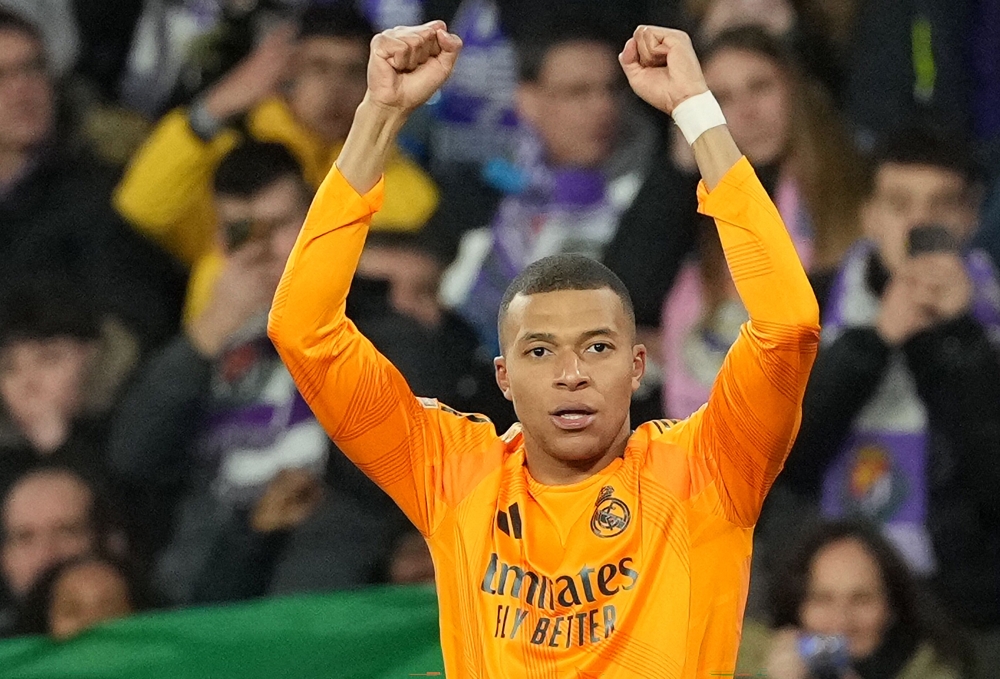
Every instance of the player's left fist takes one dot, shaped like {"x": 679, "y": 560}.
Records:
{"x": 409, "y": 63}
{"x": 662, "y": 67}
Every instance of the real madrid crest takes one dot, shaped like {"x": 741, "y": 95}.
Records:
{"x": 611, "y": 515}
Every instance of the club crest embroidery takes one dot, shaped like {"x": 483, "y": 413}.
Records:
{"x": 611, "y": 515}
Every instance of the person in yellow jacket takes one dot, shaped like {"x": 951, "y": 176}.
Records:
{"x": 298, "y": 89}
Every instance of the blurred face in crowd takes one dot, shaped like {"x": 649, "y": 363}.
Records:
{"x": 846, "y": 596}
{"x": 905, "y": 196}
{"x": 86, "y": 595}
{"x": 274, "y": 214}
{"x": 570, "y": 365}
{"x": 27, "y": 98}
{"x": 574, "y": 105}
{"x": 411, "y": 562}
{"x": 754, "y": 94}
{"x": 775, "y": 16}
{"x": 328, "y": 84}
{"x": 413, "y": 278}
{"x": 46, "y": 520}
{"x": 42, "y": 380}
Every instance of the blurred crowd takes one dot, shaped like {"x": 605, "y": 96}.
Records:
{"x": 157, "y": 158}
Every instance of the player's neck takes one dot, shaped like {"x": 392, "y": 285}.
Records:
{"x": 549, "y": 470}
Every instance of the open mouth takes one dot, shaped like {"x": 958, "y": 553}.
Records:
{"x": 573, "y": 416}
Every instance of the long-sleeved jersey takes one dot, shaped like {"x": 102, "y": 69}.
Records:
{"x": 641, "y": 570}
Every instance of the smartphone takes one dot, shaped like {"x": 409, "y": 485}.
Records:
{"x": 826, "y": 657}
{"x": 238, "y": 234}
{"x": 930, "y": 238}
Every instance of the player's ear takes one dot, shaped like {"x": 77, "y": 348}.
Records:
{"x": 638, "y": 365}
{"x": 503, "y": 381}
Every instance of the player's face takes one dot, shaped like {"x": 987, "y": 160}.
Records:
{"x": 754, "y": 95}
{"x": 574, "y": 104}
{"x": 570, "y": 367}
{"x": 905, "y": 196}
{"x": 846, "y": 596}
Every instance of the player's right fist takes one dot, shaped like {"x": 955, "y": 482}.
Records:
{"x": 662, "y": 67}
{"x": 409, "y": 63}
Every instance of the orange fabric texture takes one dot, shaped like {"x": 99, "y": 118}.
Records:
{"x": 639, "y": 571}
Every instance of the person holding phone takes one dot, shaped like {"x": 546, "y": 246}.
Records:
{"x": 901, "y": 418}
{"x": 847, "y": 607}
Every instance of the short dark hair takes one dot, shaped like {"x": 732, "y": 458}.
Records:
{"x": 565, "y": 272}
{"x": 533, "y": 49}
{"x": 253, "y": 166}
{"x": 336, "y": 20}
{"x": 46, "y": 307}
{"x": 925, "y": 144}
{"x": 407, "y": 241}
{"x": 917, "y": 615}
{"x": 13, "y": 21}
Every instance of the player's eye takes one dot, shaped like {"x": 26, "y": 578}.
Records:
{"x": 537, "y": 352}
{"x": 599, "y": 347}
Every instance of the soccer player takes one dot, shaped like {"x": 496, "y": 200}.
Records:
{"x": 573, "y": 545}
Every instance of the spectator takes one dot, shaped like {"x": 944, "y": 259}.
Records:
{"x": 411, "y": 562}
{"x": 301, "y": 93}
{"x": 846, "y": 580}
{"x": 913, "y": 58}
{"x": 901, "y": 419}
{"x": 801, "y": 26}
{"x": 61, "y": 369}
{"x": 48, "y": 515}
{"x": 55, "y": 201}
{"x": 786, "y": 124}
{"x": 301, "y": 536}
{"x": 577, "y": 186}
{"x": 215, "y": 416}
{"x": 78, "y": 594}
{"x": 412, "y": 269}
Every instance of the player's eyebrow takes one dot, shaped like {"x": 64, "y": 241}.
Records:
{"x": 538, "y": 337}
{"x": 607, "y": 332}
{"x": 551, "y": 338}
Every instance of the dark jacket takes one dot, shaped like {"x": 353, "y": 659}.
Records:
{"x": 167, "y": 446}
{"x": 956, "y": 370}
{"x": 59, "y": 218}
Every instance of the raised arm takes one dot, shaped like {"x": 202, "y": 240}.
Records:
{"x": 361, "y": 400}
{"x": 754, "y": 410}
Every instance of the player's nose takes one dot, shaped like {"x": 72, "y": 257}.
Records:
{"x": 571, "y": 373}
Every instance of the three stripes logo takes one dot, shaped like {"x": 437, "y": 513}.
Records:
{"x": 512, "y": 522}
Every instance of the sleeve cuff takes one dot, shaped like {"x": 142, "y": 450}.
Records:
{"x": 737, "y": 175}
{"x": 363, "y": 205}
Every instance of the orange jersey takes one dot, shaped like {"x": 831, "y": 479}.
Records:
{"x": 639, "y": 571}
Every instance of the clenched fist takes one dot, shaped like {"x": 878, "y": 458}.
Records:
{"x": 408, "y": 64}
{"x": 662, "y": 67}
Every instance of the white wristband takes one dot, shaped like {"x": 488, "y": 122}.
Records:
{"x": 697, "y": 114}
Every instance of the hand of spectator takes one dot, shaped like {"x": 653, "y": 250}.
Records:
{"x": 942, "y": 284}
{"x": 906, "y": 308}
{"x": 662, "y": 67}
{"x": 244, "y": 289}
{"x": 254, "y": 79}
{"x": 408, "y": 64}
{"x": 783, "y": 659}
{"x": 291, "y": 498}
